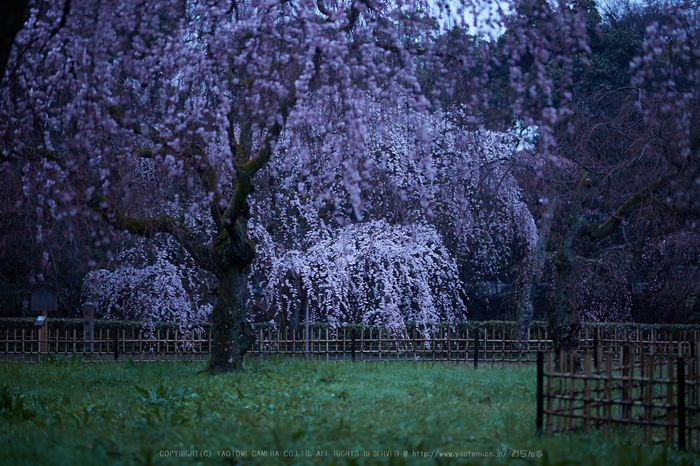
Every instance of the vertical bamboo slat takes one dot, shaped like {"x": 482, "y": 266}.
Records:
{"x": 587, "y": 362}
{"x": 503, "y": 346}
{"x": 561, "y": 404}
{"x": 669, "y": 401}
{"x": 649, "y": 400}
{"x": 550, "y": 370}
{"x": 572, "y": 389}
{"x": 466, "y": 348}
{"x": 607, "y": 408}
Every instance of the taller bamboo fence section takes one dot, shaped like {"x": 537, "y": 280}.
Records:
{"x": 646, "y": 399}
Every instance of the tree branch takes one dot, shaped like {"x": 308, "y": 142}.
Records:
{"x": 246, "y": 171}
{"x": 597, "y": 232}
{"x": 148, "y": 227}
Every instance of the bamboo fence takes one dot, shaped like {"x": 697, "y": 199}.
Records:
{"x": 495, "y": 346}
{"x": 489, "y": 344}
{"x": 139, "y": 345}
{"x": 646, "y": 398}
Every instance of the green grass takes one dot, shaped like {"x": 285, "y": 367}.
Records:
{"x": 76, "y": 413}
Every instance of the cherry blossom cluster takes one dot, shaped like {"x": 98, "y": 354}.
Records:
{"x": 371, "y": 273}
{"x": 150, "y": 284}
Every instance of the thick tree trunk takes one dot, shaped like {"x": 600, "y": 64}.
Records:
{"x": 232, "y": 334}
{"x": 564, "y": 323}
{"x": 526, "y": 308}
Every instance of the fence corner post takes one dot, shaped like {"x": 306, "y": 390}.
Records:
{"x": 539, "y": 420}
{"x": 596, "y": 343}
{"x": 116, "y": 344}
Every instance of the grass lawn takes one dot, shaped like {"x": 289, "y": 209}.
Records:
{"x": 287, "y": 412}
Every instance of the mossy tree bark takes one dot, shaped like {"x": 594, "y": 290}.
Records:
{"x": 232, "y": 335}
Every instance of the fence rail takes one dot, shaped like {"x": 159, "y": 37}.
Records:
{"x": 490, "y": 344}
{"x": 647, "y": 399}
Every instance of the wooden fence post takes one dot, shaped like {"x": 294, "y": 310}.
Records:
{"x": 587, "y": 357}
{"x": 414, "y": 344}
{"x": 88, "y": 326}
{"x": 607, "y": 407}
{"x": 540, "y": 392}
{"x": 476, "y": 348}
{"x": 550, "y": 404}
{"x": 353, "y": 344}
{"x": 669, "y": 401}
{"x": 572, "y": 389}
{"x": 627, "y": 374}
{"x": 649, "y": 400}
{"x": 596, "y": 361}
{"x": 692, "y": 346}
{"x": 680, "y": 373}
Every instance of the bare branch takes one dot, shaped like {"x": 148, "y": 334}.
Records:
{"x": 597, "y": 232}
